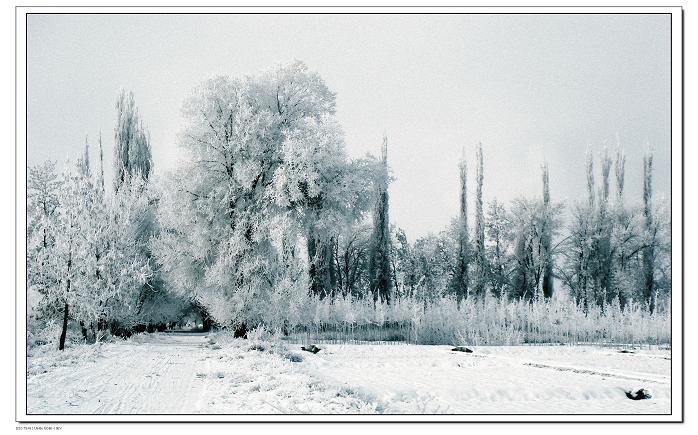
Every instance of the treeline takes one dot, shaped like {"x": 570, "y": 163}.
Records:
{"x": 268, "y": 217}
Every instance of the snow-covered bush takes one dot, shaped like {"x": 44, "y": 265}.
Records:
{"x": 491, "y": 321}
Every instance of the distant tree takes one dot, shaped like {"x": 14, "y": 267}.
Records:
{"x": 546, "y": 239}
{"x": 132, "y": 153}
{"x": 83, "y": 165}
{"x": 460, "y": 278}
{"x": 623, "y": 237}
{"x": 579, "y": 249}
{"x": 433, "y": 259}
{"x": 648, "y": 254}
{"x": 101, "y": 162}
{"x": 500, "y": 238}
{"x": 602, "y": 267}
{"x": 403, "y": 264}
{"x": 351, "y": 248}
{"x": 479, "y": 254}
{"x": 535, "y": 223}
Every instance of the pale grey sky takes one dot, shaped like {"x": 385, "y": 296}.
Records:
{"x": 529, "y": 87}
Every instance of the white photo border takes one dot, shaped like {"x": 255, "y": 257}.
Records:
{"x": 677, "y": 320}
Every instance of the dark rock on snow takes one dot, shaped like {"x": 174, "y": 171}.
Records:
{"x": 639, "y": 394}
{"x": 312, "y": 348}
{"x": 461, "y": 349}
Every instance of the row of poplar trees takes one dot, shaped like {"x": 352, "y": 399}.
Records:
{"x": 604, "y": 252}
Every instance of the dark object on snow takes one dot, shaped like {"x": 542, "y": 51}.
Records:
{"x": 626, "y": 351}
{"x": 461, "y": 349}
{"x": 312, "y": 348}
{"x": 639, "y": 394}
{"x": 240, "y": 331}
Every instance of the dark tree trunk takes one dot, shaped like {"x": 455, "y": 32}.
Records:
{"x": 84, "y": 330}
{"x": 206, "y": 323}
{"x": 61, "y": 342}
{"x": 64, "y": 330}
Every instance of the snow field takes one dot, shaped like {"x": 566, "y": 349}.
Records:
{"x": 214, "y": 374}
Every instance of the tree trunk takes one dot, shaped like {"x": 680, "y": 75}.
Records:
{"x": 84, "y": 330}
{"x": 206, "y": 323}
{"x": 64, "y": 330}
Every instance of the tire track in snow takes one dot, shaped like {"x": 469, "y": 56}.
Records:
{"x": 633, "y": 376}
{"x": 584, "y": 371}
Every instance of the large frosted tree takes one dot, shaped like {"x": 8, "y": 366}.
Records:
{"x": 266, "y": 171}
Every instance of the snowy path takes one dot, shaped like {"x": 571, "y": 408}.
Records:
{"x": 189, "y": 373}
{"x": 174, "y": 374}
{"x": 157, "y": 377}
{"x": 540, "y": 379}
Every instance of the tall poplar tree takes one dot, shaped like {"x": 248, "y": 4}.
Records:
{"x": 379, "y": 261}
{"x": 480, "y": 260}
{"x": 132, "y": 153}
{"x": 460, "y": 279}
{"x": 648, "y": 251}
{"x": 546, "y": 239}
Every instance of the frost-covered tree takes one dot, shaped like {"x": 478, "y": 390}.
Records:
{"x": 66, "y": 253}
{"x": 577, "y": 272}
{"x": 479, "y": 288}
{"x": 101, "y": 163}
{"x": 76, "y": 235}
{"x": 403, "y": 264}
{"x": 266, "y": 169}
{"x": 126, "y": 266}
{"x": 379, "y": 257}
{"x": 547, "y": 238}
{"x": 623, "y": 237}
{"x": 460, "y": 277}
{"x": 88, "y": 268}
{"x": 132, "y": 153}
{"x": 602, "y": 265}
{"x": 499, "y": 250}
{"x": 535, "y": 223}
{"x": 648, "y": 252}
{"x": 83, "y": 165}
{"x": 434, "y": 260}
{"x": 43, "y": 191}
{"x": 350, "y": 258}
{"x": 317, "y": 180}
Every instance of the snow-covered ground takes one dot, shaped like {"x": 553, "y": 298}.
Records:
{"x": 196, "y": 373}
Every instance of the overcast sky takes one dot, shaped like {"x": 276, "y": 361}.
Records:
{"x": 529, "y": 87}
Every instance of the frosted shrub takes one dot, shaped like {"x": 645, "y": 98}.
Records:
{"x": 262, "y": 334}
{"x": 492, "y": 321}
